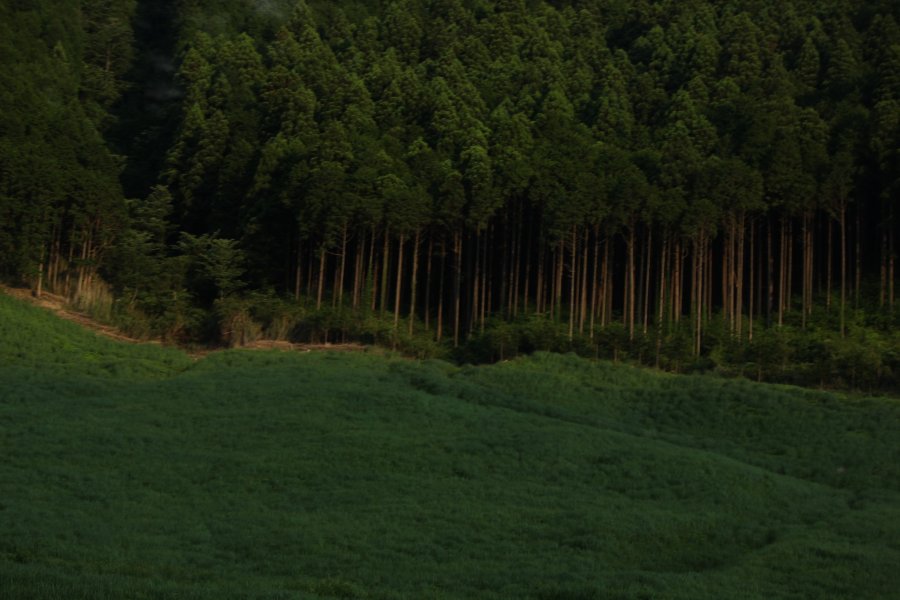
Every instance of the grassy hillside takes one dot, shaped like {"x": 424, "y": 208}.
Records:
{"x": 131, "y": 471}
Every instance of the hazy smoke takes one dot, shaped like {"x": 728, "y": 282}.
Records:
{"x": 275, "y": 9}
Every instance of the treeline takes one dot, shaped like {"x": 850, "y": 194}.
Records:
{"x": 685, "y": 175}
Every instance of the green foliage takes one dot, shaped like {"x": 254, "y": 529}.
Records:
{"x": 290, "y": 149}
{"x": 133, "y": 471}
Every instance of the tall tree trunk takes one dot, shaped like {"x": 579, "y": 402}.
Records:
{"x": 728, "y": 272}
{"x": 342, "y": 269}
{"x": 39, "y": 288}
{"x": 412, "y": 284}
{"x": 594, "y": 287}
{"x": 678, "y": 283}
{"x": 358, "y": 268}
{"x": 648, "y": 263}
{"x": 843, "y": 224}
{"x": 428, "y": 261}
{"x": 560, "y": 268}
{"x": 321, "y": 284}
{"x": 439, "y": 333}
{"x": 698, "y": 294}
{"x": 582, "y": 317}
{"x": 398, "y": 285}
{"x": 372, "y": 269}
{"x": 457, "y": 281}
{"x": 661, "y": 307}
{"x": 573, "y": 269}
{"x": 739, "y": 277}
{"x": 829, "y": 264}
{"x": 385, "y": 268}
{"x": 475, "y": 278}
{"x": 298, "y": 271}
{"x": 789, "y": 279}
{"x": 751, "y": 296}
{"x": 882, "y": 290}
{"x": 629, "y": 287}
{"x": 604, "y": 279}
{"x": 782, "y": 283}
{"x": 486, "y": 275}
{"x": 858, "y": 257}
{"x": 892, "y": 254}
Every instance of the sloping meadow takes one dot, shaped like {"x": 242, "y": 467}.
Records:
{"x": 132, "y": 471}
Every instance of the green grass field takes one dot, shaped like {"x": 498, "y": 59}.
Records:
{"x": 134, "y": 472}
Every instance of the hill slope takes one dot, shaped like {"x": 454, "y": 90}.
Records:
{"x": 131, "y": 471}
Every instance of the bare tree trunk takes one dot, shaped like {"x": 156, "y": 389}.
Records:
{"x": 482, "y": 258}
{"x": 770, "y": 274}
{"x": 439, "y": 333}
{"x": 385, "y": 268}
{"x": 751, "y": 295}
{"x": 428, "y": 260}
{"x": 594, "y": 287}
{"x": 604, "y": 281}
{"x": 476, "y": 281}
{"x": 526, "y": 281}
{"x": 298, "y": 272}
{"x": 782, "y": 279}
{"x": 882, "y": 290}
{"x": 321, "y": 285}
{"x": 858, "y": 257}
{"x": 661, "y": 308}
{"x": 573, "y": 269}
{"x": 39, "y": 288}
{"x": 584, "y": 281}
{"x": 789, "y": 280}
{"x": 539, "y": 290}
{"x": 629, "y": 288}
{"x": 698, "y": 295}
{"x": 560, "y": 268}
{"x": 891, "y": 259}
{"x": 727, "y": 272}
{"x": 342, "y": 268}
{"x": 708, "y": 271}
{"x": 829, "y": 263}
{"x": 372, "y": 269}
{"x": 358, "y": 269}
{"x": 412, "y": 289}
{"x": 739, "y": 278}
{"x": 398, "y": 286}
{"x": 843, "y": 223}
{"x": 457, "y": 251}
{"x": 648, "y": 263}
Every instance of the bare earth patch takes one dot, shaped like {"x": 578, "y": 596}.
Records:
{"x": 60, "y": 306}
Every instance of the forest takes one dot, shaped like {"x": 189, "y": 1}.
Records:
{"x": 694, "y": 184}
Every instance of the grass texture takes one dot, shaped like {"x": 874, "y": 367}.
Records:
{"x": 131, "y": 471}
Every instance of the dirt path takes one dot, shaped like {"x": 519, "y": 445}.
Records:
{"x": 59, "y": 306}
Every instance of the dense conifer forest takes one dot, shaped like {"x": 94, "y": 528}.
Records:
{"x": 687, "y": 184}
